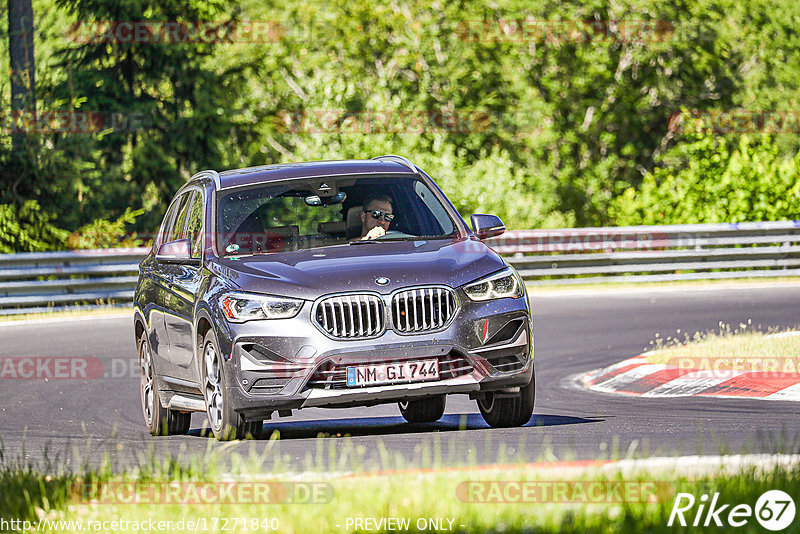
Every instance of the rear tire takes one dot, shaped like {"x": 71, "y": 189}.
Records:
{"x": 506, "y": 412}
{"x": 226, "y": 423}
{"x": 159, "y": 421}
{"x": 423, "y": 410}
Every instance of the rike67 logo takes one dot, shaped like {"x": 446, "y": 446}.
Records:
{"x": 774, "y": 510}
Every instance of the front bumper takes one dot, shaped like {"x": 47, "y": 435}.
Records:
{"x": 290, "y": 364}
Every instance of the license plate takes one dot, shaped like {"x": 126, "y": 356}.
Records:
{"x": 386, "y": 373}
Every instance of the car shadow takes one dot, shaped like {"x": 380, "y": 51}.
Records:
{"x": 378, "y": 426}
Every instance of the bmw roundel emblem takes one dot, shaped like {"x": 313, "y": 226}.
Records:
{"x": 382, "y": 281}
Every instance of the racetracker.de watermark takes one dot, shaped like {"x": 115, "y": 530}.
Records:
{"x": 563, "y": 491}
{"x": 510, "y": 242}
{"x": 735, "y": 121}
{"x": 722, "y": 366}
{"x": 528, "y": 30}
{"x": 586, "y": 239}
{"x": 198, "y": 493}
{"x": 500, "y": 30}
{"x": 403, "y": 121}
{"x": 72, "y": 122}
{"x": 176, "y": 32}
{"x": 66, "y": 368}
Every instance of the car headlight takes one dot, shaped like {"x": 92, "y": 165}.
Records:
{"x": 240, "y": 307}
{"x": 504, "y": 284}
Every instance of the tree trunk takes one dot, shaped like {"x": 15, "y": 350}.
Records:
{"x": 20, "y": 48}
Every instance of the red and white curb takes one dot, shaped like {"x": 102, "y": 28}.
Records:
{"x": 636, "y": 376}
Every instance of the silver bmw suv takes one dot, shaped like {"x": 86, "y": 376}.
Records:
{"x": 326, "y": 284}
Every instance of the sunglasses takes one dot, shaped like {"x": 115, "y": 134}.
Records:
{"x": 377, "y": 214}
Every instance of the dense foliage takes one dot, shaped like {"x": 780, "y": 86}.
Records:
{"x": 721, "y": 181}
{"x": 544, "y": 113}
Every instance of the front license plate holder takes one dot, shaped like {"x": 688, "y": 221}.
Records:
{"x": 393, "y": 373}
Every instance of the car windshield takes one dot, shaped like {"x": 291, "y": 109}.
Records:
{"x": 311, "y": 213}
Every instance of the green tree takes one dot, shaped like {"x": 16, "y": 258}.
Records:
{"x": 587, "y": 117}
{"x": 719, "y": 181}
{"x": 22, "y": 62}
{"x": 175, "y": 108}
{"x": 574, "y": 126}
{"x": 27, "y": 228}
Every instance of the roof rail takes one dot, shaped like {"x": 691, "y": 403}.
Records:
{"x": 210, "y": 173}
{"x": 398, "y": 159}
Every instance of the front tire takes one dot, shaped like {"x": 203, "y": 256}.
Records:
{"x": 159, "y": 421}
{"x": 226, "y": 423}
{"x": 503, "y": 412}
{"x": 423, "y": 410}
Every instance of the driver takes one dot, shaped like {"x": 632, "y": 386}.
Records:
{"x": 376, "y": 216}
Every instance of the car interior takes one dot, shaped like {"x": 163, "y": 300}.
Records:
{"x": 317, "y": 220}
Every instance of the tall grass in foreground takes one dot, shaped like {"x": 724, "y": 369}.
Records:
{"x": 416, "y": 495}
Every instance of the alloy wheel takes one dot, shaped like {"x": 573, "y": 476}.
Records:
{"x": 146, "y": 382}
{"x": 213, "y": 387}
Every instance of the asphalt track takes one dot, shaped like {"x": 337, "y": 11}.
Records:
{"x": 71, "y": 422}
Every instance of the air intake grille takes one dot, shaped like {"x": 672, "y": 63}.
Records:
{"x": 351, "y": 316}
{"x": 418, "y": 310}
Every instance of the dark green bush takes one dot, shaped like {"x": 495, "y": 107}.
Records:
{"x": 716, "y": 180}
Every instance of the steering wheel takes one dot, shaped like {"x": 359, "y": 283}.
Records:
{"x": 394, "y": 234}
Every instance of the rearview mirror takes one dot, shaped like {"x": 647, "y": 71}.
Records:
{"x": 176, "y": 252}
{"x": 486, "y": 226}
{"x": 316, "y": 200}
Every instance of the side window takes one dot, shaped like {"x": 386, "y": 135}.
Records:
{"x": 436, "y": 208}
{"x": 178, "y": 229}
{"x": 195, "y": 228}
{"x": 166, "y": 225}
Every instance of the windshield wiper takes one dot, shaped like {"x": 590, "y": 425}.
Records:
{"x": 362, "y": 242}
{"x": 390, "y": 240}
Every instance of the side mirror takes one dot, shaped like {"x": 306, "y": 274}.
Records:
{"x": 176, "y": 252}
{"x": 486, "y": 226}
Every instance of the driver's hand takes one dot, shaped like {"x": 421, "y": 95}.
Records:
{"x": 375, "y": 233}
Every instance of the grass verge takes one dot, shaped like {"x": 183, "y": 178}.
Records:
{"x": 471, "y": 499}
{"x": 731, "y": 350}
